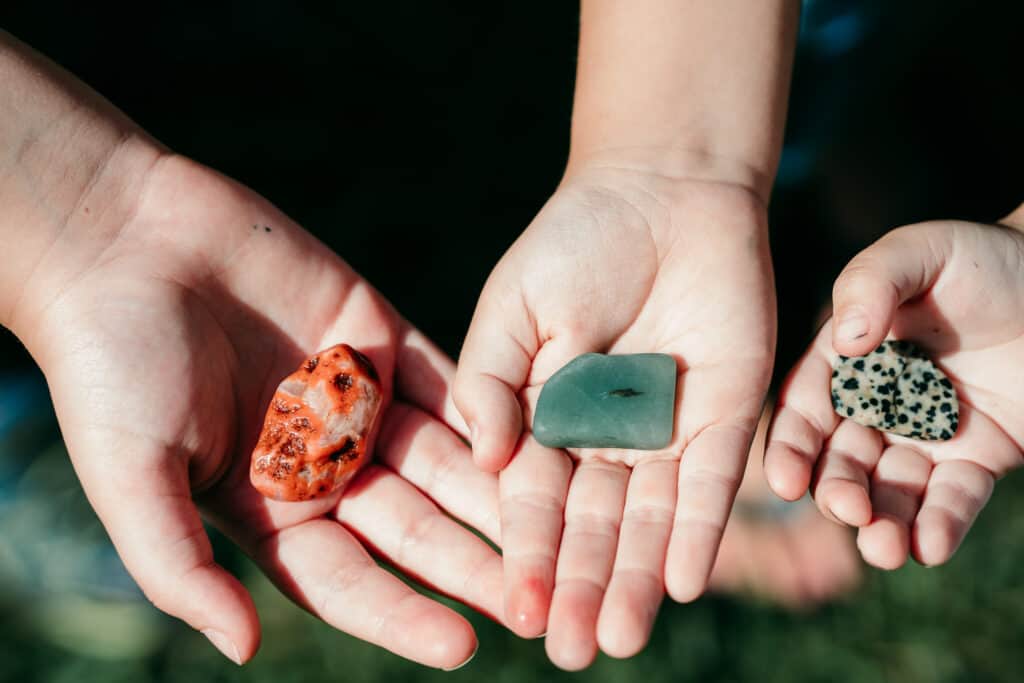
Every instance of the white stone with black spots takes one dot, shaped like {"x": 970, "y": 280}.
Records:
{"x": 896, "y": 389}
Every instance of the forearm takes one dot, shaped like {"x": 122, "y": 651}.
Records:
{"x": 71, "y": 167}
{"x": 686, "y": 88}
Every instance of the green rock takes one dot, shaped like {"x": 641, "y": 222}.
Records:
{"x": 599, "y": 401}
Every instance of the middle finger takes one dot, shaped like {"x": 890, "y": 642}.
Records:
{"x": 593, "y": 513}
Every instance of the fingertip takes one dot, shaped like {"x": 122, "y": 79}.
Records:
{"x": 455, "y": 652}
{"x": 250, "y": 637}
{"x": 795, "y": 440}
{"x": 441, "y": 637}
{"x": 455, "y": 642}
{"x": 527, "y": 605}
{"x": 621, "y": 632}
{"x": 494, "y": 417}
{"x": 935, "y": 538}
{"x": 468, "y": 659}
{"x": 618, "y": 642}
{"x": 851, "y": 324}
{"x": 224, "y": 612}
{"x": 884, "y": 543}
{"x": 864, "y": 301}
{"x": 489, "y": 456}
{"x": 224, "y": 644}
{"x": 845, "y": 502}
{"x": 692, "y": 550}
{"x": 685, "y": 586}
{"x": 860, "y": 333}
{"x": 786, "y": 471}
{"x": 571, "y": 649}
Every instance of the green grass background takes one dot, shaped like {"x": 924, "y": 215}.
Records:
{"x": 60, "y": 621}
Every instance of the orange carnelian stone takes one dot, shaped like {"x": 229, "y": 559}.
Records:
{"x": 315, "y": 433}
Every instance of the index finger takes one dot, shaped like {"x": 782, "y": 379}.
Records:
{"x": 803, "y": 420}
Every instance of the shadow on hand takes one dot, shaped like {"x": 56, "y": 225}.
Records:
{"x": 267, "y": 354}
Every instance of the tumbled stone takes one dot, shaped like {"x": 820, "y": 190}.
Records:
{"x": 600, "y": 401}
{"x": 896, "y": 389}
{"x": 315, "y": 432}
{"x": 866, "y": 386}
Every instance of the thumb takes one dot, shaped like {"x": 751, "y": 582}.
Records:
{"x": 494, "y": 364}
{"x": 900, "y": 266}
{"x": 146, "y": 507}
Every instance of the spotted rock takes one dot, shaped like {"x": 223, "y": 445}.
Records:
{"x": 896, "y": 389}
{"x": 315, "y": 434}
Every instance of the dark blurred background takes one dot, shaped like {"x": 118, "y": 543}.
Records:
{"x": 418, "y": 139}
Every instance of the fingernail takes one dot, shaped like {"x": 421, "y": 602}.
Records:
{"x": 836, "y": 517}
{"x": 224, "y": 644}
{"x": 853, "y": 324}
{"x": 468, "y": 660}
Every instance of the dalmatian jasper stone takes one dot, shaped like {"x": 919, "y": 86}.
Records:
{"x": 896, "y": 389}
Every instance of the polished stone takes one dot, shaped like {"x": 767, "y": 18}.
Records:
{"x": 601, "y": 401}
{"x": 314, "y": 437}
{"x": 896, "y": 389}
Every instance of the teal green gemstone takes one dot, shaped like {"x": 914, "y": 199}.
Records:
{"x": 599, "y": 401}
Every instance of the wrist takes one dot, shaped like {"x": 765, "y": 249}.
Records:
{"x": 69, "y": 185}
{"x": 86, "y": 211}
{"x": 676, "y": 165}
{"x": 700, "y": 87}
{"x": 672, "y": 200}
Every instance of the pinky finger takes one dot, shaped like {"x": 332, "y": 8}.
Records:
{"x": 956, "y": 493}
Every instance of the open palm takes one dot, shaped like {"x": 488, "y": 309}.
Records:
{"x": 955, "y": 289}
{"x": 619, "y": 261}
{"x": 171, "y": 344}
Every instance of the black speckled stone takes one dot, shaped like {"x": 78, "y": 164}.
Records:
{"x": 896, "y": 389}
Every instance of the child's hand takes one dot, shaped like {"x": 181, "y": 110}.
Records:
{"x": 620, "y": 261}
{"x": 162, "y": 349}
{"x": 957, "y": 290}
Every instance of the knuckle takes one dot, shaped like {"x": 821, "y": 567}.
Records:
{"x": 592, "y": 524}
{"x": 416, "y": 535}
{"x": 649, "y": 515}
{"x": 341, "y": 582}
{"x": 860, "y": 273}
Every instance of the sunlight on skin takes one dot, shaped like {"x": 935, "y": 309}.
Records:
{"x": 592, "y": 537}
{"x": 955, "y": 289}
{"x": 654, "y": 242}
{"x": 173, "y": 339}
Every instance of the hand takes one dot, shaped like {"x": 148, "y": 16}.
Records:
{"x": 162, "y": 353}
{"x": 957, "y": 290}
{"x": 620, "y": 261}
{"x": 782, "y": 553}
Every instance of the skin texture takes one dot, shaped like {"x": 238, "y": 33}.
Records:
{"x": 660, "y": 236}
{"x": 655, "y": 241}
{"x": 621, "y": 262}
{"x": 164, "y": 303}
{"x": 955, "y": 289}
{"x": 170, "y": 348}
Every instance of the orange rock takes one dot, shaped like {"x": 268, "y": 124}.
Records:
{"x": 315, "y": 433}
